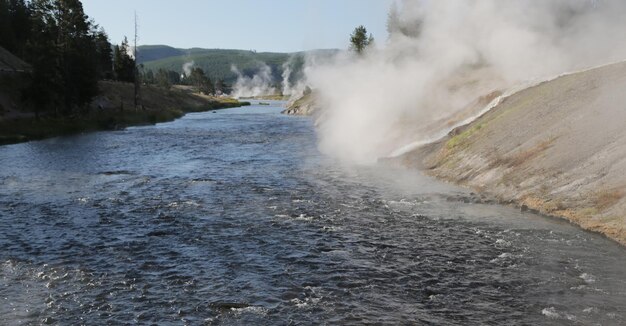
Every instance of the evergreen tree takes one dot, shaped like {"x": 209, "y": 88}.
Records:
{"x": 44, "y": 55}
{"x": 14, "y": 25}
{"x": 148, "y": 77}
{"x": 79, "y": 53}
{"x": 123, "y": 63}
{"x": 6, "y": 29}
{"x": 63, "y": 53}
{"x": 105, "y": 55}
{"x": 201, "y": 81}
{"x": 68, "y": 53}
{"x": 221, "y": 87}
{"x": 162, "y": 79}
{"x": 359, "y": 40}
{"x": 174, "y": 77}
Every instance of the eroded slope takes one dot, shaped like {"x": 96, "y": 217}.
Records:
{"x": 559, "y": 148}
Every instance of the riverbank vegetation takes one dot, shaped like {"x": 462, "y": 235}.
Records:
{"x": 110, "y": 112}
{"x": 61, "y": 75}
{"x": 67, "y": 52}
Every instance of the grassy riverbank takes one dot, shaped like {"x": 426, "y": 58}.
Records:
{"x": 113, "y": 109}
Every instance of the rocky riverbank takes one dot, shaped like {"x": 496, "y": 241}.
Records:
{"x": 305, "y": 105}
{"x": 558, "y": 148}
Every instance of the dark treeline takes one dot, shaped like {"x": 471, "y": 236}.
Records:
{"x": 68, "y": 52}
{"x": 196, "y": 78}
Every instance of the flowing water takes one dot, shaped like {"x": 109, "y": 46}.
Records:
{"x": 233, "y": 217}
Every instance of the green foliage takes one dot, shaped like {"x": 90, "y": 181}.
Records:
{"x": 105, "y": 54}
{"x": 45, "y": 92}
{"x": 67, "y": 52}
{"x": 79, "y": 56}
{"x": 63, "y": 52}
{"x": 123, "y": 63}
{"x": 149, "y": 78}
{"x": 162, "y": 79}
{"x": 216, "y": 63}
{"x": 148, "y": 53}
{"x": 173, "y": 77}
{"x": 15, "y": 25}
{"x": 360, "y": 41}
{"x": 221, "y": 87}
{"x": 29, "y": 129}
{"x": 462, "y": 138}
{"x": 202, "y": 83}
{"x": 166, "y": 106}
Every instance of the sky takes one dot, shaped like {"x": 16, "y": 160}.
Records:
{"x": 261, "y": 25}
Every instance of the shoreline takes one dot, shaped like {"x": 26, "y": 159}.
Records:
{"x": 107, "y": 113}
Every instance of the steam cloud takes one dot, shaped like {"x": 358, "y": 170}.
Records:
{"x": 130, "y": 51}
{"x": 187, "y": 67}
{"x": 442, "y": 55}
{"x": 258, "y": 85}
{"x": 293, "y": 83}
{"x": 287, "y": 87}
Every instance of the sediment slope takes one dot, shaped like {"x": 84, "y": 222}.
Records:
{"x": 305, "y": 105}
{"x": 558, "y": 148}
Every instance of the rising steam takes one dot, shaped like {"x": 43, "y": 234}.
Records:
{"x": 258, "y": 85}
{"x": 442, "y": 55}
{"x": 187, "y": 67}
{"x": 293, "y": 81}
{"x": 287, "y": 71}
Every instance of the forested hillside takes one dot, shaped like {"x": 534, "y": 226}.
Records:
{"x": 217, "y": 63}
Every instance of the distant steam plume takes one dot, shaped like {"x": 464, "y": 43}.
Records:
{"x": 187, "y": 67}
{"x": 258, "y": 85}
{"x": 286, "y": 84}
{"x": 293, "y": 81}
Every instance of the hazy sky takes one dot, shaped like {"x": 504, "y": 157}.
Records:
{"x": 262, "y": 25}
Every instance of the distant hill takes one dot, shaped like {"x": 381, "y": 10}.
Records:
{"x": 157, "y": 52}
{"x": 217, "y": 62}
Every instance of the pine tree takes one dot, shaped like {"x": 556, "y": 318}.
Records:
{"x": 123, "y": 63}
{"x": 174, "y": 77}
{"x": 162, "y": 79}
{"x": 201, "y": 81}
{"x": 68, "y": 53}
{"x": 14, "y": 25}
{"x": 105, "y": 55}
{"x": 148, "y": 77}
{"x": 221, "y": 87}
{"x": 79, "y": 54}
{"x": 44, "y": 54}
{"x": 359, "y": 40}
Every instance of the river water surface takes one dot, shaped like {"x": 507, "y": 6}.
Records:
{"x": 234, "y": 218}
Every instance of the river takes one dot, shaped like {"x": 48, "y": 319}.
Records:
{"x": 233, "y": 217}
